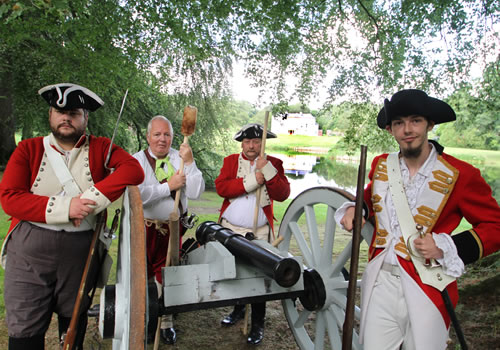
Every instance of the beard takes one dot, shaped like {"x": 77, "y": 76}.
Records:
{"x": 414, "y": 152}
{"x": 73, "y": 136}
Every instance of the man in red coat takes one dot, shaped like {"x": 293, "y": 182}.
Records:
{"x": 241, "y": 175}
{"x": 53, "y": 187}
{"x": 418, "y": 196}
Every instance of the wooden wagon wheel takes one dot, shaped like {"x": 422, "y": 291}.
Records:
{"x": 124, "y": 306}
{"x": 321, "y": 313}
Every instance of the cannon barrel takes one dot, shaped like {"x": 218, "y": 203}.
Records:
{"x": 285, "y": 271}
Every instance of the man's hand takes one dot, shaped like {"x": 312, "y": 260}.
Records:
{"x": 260, "y": 163}
{"x": 79, "y": 209}
{"x": 348, "y": 219}
{"x": 426, "y": 246}
{"x": 186, "y": 153}
{"x": 176, "y": 181}
{"x": 259, "y": 177}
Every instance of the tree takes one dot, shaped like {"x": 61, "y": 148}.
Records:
{"x": 185, "y": 50}
{"x": 477, "y": 106}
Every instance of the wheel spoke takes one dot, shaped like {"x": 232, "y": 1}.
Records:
{"x": 312, "y": 228}
{"x": 338, "y": 264}
{"x": 303, "y": 317}
{"x": 319, "y": 335}
{"x": 327, "y": 251}
{"x": 339, "y": 298}
{"x": 301, "y": 241}
{"x": 333, "y": 329}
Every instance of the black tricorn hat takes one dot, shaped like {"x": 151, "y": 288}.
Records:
{"x": 70, "y": 96}
{"x": 414, "y": 102}
{"x": 253, "y": 131}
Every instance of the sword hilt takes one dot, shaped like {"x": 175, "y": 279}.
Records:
{"x": 428, "y": 262}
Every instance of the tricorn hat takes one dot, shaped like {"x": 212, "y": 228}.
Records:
{"x": 70, "y": 96}
{"x": 253, "y": 131}
{"x": 414, "y": 102}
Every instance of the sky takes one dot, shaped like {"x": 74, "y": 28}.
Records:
{"x": 243, "y": 91}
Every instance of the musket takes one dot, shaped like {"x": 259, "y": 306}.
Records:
{"x": 108, "y": 156}
{"x": 356, "y": 240}
{"x": 89, "y": 280}
{"x": 89, "y": 273}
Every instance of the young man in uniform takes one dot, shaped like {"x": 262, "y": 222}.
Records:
{"x": 418, "y": 196}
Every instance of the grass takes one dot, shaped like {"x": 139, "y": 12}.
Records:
{"x": 286, "y": 142}
{"x": 476, "y": 156}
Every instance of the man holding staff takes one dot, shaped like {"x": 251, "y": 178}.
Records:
{"x": 163, "y": 178}
{"x": 54, "y": 187}
{"x": 240, "y": 177}
{"x": 418, "y": 196}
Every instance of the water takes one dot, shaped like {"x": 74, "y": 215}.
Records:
{"x": 307, "y": 171}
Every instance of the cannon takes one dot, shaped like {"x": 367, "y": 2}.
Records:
{"x": 307, "y": 271}
{"x": 285, "y": 271}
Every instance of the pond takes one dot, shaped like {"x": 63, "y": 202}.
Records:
{"x": 305, "y": 171}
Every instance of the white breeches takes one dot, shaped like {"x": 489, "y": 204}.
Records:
{"x": 387, "y": 323}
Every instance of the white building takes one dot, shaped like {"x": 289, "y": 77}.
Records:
{"x": 295, "y": 124}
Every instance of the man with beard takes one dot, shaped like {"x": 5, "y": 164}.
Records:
{"x": 53, "y": 187}
{"x": 240, "y": 177}
{"x": 418, "y": 196}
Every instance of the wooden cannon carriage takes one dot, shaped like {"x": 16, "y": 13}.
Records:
{"x": 311, "y": 284}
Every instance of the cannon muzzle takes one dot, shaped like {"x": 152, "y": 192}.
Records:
{"x": 285, "y": 271}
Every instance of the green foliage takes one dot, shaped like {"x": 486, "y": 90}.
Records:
{"x": 170, "y": 54}
{"x": 362, "y": 129}
{"x": 478, "y": 108}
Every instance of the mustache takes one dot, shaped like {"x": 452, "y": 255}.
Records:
{"x": 65, "y": 124}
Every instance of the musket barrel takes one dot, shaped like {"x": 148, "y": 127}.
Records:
{"x": 285, "y": 271}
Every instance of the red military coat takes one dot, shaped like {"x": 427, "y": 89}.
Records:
{"x": 18, "y": 199}
{"x": 469, "y": 197}
{"x": 229, "y": 186}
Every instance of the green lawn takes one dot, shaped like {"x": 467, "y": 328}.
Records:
{"x": 287, "y": 142}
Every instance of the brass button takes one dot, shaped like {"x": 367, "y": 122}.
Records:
{"x": 445, "y": 190}
{"x": 449, "y": 180}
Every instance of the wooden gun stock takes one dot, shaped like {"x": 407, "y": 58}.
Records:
{"x": 85, "y": 283}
